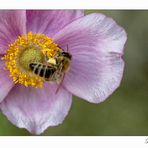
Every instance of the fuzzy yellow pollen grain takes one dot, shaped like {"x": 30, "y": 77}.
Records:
{"x": 52, "y": 61}
{"x": 25, "y": 50}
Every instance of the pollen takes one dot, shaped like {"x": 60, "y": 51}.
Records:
{"x": 25, "y": 50}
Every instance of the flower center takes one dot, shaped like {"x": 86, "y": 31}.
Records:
{"x": 25, "y": 50}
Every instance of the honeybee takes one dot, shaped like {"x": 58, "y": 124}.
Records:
{"x": 42, "y": 70}
{"x": 54, "y": 69}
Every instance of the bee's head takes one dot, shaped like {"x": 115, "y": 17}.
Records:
{"x": 67, "y": 55}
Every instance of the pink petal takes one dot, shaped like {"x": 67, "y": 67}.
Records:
{"x": 50, "y": 22}
{"x": 6, "y": 82}
{"x": 96, "y": 43}
{"x": 36, "y": 109}
{"x": 12, "y": 24}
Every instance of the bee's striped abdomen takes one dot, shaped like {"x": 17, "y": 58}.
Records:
{"x": 42, "y": 70}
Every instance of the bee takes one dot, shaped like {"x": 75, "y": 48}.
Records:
{"x": 53, "y": 69}
{"x": 43, "y": 70}
{"x": 63, "y": 61}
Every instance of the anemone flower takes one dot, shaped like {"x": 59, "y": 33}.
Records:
{"x": 95, "y": 43}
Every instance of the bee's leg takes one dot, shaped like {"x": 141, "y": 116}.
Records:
{"x": 60, "y": 83}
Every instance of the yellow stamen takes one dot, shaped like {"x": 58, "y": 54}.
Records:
{"x": 26, "y": 49}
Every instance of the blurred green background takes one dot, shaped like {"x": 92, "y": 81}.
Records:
{"x": 126, "y": 111}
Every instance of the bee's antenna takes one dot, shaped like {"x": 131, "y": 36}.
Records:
{"x": 60, "y": 84}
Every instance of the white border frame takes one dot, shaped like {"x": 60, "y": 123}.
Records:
{"x": 74, "y": 142}
{"x": 74, "y": 4}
